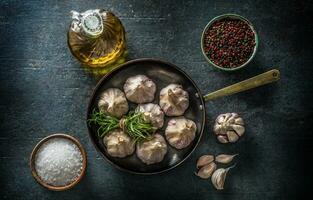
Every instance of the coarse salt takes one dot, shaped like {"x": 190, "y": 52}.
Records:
{"x": 58, "y": 162}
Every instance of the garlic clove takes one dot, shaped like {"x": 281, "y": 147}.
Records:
{"x": 239, "y": 129}
{"x": 206, "y": 171}
{"x": 239, "y": 121}
{"x": 220, "y": 118}
{"x": 222, "y": 139}
{"x": 217, "y": 129}
{"x": 232, "y": 136}
{"x": 227, "y": 116}
{"x": 204, "y": 160}
{"x": 225, "y": 158}
{"x": 219, "y": 176}
{"x": 234, "y": 115}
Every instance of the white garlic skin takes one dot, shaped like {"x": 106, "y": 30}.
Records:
{"x": 118, "y": 144}
{"x": 152, "y": 113}
{"x": 180, "y": 132}
{"x": 113, "y": 102}
{"x": 174, "y": 101}
{"x": 218, "y": 177}
{"x": 204, "y": 160}
{"x": 139, "y": 89}
{"x": 152, "y": 150}
{"x": 225, "y": 158}
{"x": 206, "y": 171}
{"x": 229, "y": 127}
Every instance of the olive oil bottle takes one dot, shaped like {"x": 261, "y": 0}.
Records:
{"x": 97, "y": 38}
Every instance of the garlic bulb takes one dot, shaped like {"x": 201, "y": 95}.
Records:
{"x": 204, "y": 160}
{"x": 152, "y": 113}
{"x": 180, "y": 132}
{"x": 113, "y": 102}
{"x": 139, "y": 89}
{"x": 229, "y": 127}
{"x": 174, "y": 101}
{"x": 219, "y": 176}
{"x": 118, "y": 144}
{"x": 206, "y": 171}
{"x": 152, "y": 150}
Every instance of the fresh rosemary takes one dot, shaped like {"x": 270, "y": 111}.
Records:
{"x": 133, "y": 124}
{"x": 105, "y": 122}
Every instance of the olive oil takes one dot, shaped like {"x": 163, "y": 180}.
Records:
{"x": 97, "y": 38}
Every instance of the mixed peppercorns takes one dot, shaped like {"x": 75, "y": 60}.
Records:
{"x": 229, "y": 42}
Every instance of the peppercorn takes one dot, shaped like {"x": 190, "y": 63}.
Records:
{"x": 229, "y": 42}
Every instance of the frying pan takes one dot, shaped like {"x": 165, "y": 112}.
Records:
{"x": 164, "y": 73}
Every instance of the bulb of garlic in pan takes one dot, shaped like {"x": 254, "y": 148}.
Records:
{"x": 180, "y": 132}
{"x": 118, "y": 144}
{"x": 152, "y": 150}
{"x": 113, "y": 102}
{"x": 152, "y": 113}
{"x": 229, "y": 127}
{"x": 174, "y": 101}
{"x": 139, "y": 89}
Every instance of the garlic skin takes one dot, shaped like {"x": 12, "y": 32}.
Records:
{"x": 180, "y": 132}
{"x": 206, "y": 171}
{"x": 152, "y": 150}
{"x": 174, "y": 101}
{"x": 113, "y": 102}
{"x": 139, "y": 89}
{"x": 152, "y": 113}
{"x": 204, "y": 160}
{"x": 229, "y": 127}
{"x": 118, "y": 144}
{"x": 225, "y": 158}
{"x": 219, "y": 176}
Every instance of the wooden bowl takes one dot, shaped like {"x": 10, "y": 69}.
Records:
{"x": 33, "y": 156}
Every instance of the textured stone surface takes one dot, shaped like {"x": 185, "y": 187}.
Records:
{"x": 45, "y": 90}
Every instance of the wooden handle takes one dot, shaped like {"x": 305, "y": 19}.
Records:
{"x": 256, "y": 81}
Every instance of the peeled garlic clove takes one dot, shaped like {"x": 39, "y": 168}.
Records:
{"x": 224, "y": 158}
{"x": 206, "y": 171}
{"x": 218, "y": 177}
{"x": 204, "y": 160}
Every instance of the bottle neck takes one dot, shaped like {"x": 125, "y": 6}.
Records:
{"x": 92, "y": 24}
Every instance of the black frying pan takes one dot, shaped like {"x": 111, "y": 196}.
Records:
{"x": 164, "y": 73}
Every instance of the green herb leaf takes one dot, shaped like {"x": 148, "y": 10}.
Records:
{"x": 134, "y": 125}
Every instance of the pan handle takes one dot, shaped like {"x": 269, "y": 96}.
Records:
{"x": 256, "y": 81}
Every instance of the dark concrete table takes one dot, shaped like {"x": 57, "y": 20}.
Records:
{"x": 44, "y": 90}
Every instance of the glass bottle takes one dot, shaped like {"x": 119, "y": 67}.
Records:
{"x": 97, "y": 38}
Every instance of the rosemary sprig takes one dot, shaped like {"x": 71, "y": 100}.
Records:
{"x": 133, "y": 124}
{"x": 137, "y": 127}
{"x": 105, "y": 122}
